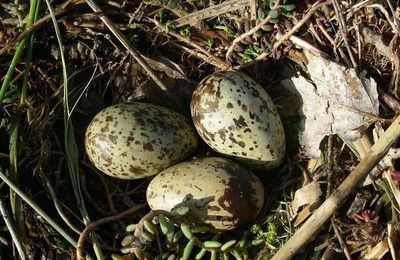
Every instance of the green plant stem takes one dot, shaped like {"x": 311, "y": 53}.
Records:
{"x": 18, "y": 52}
{"x": 71, "y": 149}
{"x": 31, "y": 39}
{"x": 16, "y": 203}
{"x": 10, "y": 226}
{"x": 43, "y": 214}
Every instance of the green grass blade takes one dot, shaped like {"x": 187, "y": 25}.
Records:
{"x": 43, "y": 214}
{"x": 71, "y": 149}
{"x": 18, "y": 52}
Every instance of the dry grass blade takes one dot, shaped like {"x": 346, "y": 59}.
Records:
{"x": 43, "y": 214}
{"x": 332, "y": 203}
{"x": 211, "y": 11}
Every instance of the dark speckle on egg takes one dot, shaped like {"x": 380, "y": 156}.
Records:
{"x": 218, "y": 191}
{"x": 121, "y": 140}
{"x": 245, "y": 110}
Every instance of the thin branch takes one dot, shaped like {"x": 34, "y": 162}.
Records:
{"x": 195, "y": 17}
{"x": 89, "y": 228}
{"x": 295, "y": 28}
{"x": 124, "y": 41}
{"x": 332, "y": 42}
{"x": 215, "y": 60}
{"x": 340, "y": 238}
{"x": 309, "y": 229}
{"x": 343, "y": 29}
{"x": 250, "y": 32}
{"x": 285, "y": 37}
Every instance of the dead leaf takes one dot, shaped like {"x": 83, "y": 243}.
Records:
{"x": 394, "y": 240}
{"x": 308, "y": 195}
{"x": 334, "y": 101}
{"x": 302, "y": 216}
{"x": 378, "y": 251}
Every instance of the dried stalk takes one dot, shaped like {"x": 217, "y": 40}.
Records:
{"x": 295, "y": 28}
{"x": 215, "y": 60}
{"x": 341, "y": 240}
{"x": 343, "y": 29}
{"x": 227, "y": 6}
{"x": 325, "y": 211}
{"x": 124, "y": 41}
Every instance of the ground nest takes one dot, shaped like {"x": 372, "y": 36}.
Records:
{"x": 332, "y": 68}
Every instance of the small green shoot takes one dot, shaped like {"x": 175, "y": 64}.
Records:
{"x": 209, "y": 43}
{"x": 186, "y": 33}
{"x": 227, "y": 28}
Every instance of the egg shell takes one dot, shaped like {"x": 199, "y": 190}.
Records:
{"x": 136, "y": 140}
{"x": 235, "y": 116}
{"x": 218, "y": 191}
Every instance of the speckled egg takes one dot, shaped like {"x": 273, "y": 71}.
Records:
{"x": 136, "y": 140}
{"x": 218, "y": 191}
{"x": 235, "y": 116}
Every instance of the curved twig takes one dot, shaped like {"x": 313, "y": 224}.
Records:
{"x": 285, "y": 37}
{"x": 250, "y": 32}
{"x": 89, "y": 228}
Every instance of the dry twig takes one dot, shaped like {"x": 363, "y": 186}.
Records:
{"x": 343, "y": 29}
{"x": 285, "y": 37}
{"x": 117, "y": 33}
{"x": 215, "y": 60}
{"x": 390, "y": 52}
{"x": 340, "y": 238}
{"x": 40, "y": 23}
{"x": 89, "y": 228}
{"x": 195, "y": 17}
{"x": 332, "y": 42}
{"x": 326, "y": 210}
{"x": 250, "y": 32}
